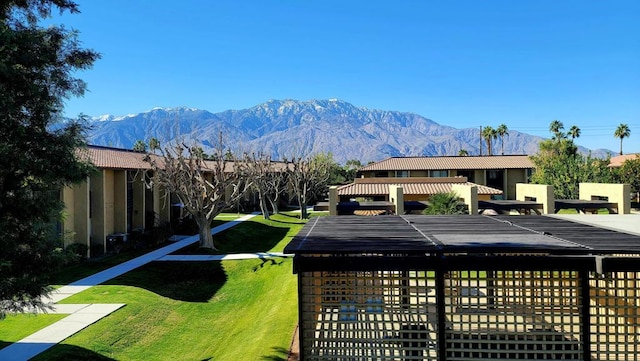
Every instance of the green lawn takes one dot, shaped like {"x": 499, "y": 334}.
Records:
{"x": 232, "y": 310}
{"x": 17, "y": 327}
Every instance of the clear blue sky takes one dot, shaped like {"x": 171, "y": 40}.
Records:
{"x": 461, "y": 63}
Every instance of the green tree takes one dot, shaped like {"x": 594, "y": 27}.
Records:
{"x": 463, "y": 153}
{"x": 622, "y": 131}
{"x": 140, "y": 146}
{"x": 558, "y": 164}
{"x": 154, "y": 144}
{"x": 350, "y": 169}
{"x": 445, "y": 203}
{"x": 489, "y": 134}
{"x": 37, "y": 65}
{"x": 502, "y": 131}
{"x": 629, "y": 173}
{"x": 574, "y": 132}
{"x": 556, "y": 127}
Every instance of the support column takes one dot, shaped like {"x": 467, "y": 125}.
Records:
{"x": 469, "y": 195}
{"x": 120, "y": 201}
{"x": 333, "y": 201}
{"x": 396, "y": 196}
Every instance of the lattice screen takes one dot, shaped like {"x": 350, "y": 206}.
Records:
{"x": 368, "y": 315}
{"x": 487, "y": 315}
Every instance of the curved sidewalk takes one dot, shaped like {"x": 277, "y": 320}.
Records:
{"x": 83, "y": 315}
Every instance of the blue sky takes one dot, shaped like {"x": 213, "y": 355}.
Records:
{"x": 460, "y": 63}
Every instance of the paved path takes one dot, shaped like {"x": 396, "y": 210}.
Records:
{"x": 83, "y": 315}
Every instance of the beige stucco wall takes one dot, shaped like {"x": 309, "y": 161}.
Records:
{"x": 469, "y": 195}
{"x": 396, "y": 196}
{"x": 513, "y": 177}
{"x": 419, "y": 173}
{"x": 541, "y": 193}
{"x": 333, "y": 201}
{"x": 76, "y": 221}
{"x": 615, "y": 193}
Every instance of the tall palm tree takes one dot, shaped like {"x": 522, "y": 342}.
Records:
{"x": 489, "y": 134}
{"x": 574, "y": 132}
{"x": 502, "y": 131}
{"x": 622, "y": 131}
{"x": 140, "y": 146}
{"x": 556, "y": 128}
{"x": 154, "y": 144}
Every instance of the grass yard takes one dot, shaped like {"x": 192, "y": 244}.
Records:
{"x": 17, "y": 327}
{"x": 231, "y": 310}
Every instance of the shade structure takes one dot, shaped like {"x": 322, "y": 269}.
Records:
{"x": 466, "y": 288}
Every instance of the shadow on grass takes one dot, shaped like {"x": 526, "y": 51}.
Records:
{"x": 183, "y": 281}
{"x": 246, "y": 237}
{"x": 61, "y": 352}
{"x": 278, "y": 354}
{"x": 267, "y": 262}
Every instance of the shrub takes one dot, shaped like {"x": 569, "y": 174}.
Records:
{"x": 446, "y": 203}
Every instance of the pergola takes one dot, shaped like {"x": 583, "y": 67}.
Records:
{"x": 466, "y": 288}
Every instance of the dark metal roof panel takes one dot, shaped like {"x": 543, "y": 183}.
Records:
{"x": 414, "y": 234}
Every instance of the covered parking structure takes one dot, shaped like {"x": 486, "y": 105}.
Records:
{"x": 466, "y": 288}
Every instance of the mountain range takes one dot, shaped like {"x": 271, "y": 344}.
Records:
{"x": 291, "y": 127}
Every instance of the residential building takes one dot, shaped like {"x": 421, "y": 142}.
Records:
{"x": 502, "y": 172}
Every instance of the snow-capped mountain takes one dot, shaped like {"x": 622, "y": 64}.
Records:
{"x": 292, "y": 127}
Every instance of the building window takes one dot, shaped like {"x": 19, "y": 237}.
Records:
{"x": 381, "y": 174}
{"x": 494, "y": 174}
{"x": 439, "y": 173}
{"x": 402, "y": 173}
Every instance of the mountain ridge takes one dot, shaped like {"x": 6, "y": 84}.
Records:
{"x": 284, "y": 127}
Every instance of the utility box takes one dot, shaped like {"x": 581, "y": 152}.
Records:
{"x": 116, "y": 242}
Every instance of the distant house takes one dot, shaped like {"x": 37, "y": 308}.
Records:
{"x": 498, "y": 171}
{"x": 616, "y": 162}
{"x": 414, "y": 188}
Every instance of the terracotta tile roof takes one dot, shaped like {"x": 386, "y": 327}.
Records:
{"x": 113, "y": 158}
{"x": 451, "y": 162}
{"x": 618, "y": 160}
{"x": 418, "y": 188}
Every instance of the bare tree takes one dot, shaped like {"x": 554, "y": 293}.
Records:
{"x": 267, "y": 181}
{"x": 204, "y": 187}
{"x": 308, "y": 177}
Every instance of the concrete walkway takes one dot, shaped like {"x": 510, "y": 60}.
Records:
{"x": 83, "y": 315}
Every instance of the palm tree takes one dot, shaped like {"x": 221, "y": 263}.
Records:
{"x": 574, "y": 132}
{"x": 622, "y": 132}
{"x": 488, "y": 133}
{"x": 556, "y": 128}
{"x": 140, "y": 146}
{"x": 154, "y": 144}
{"x": 502, "y": 131}
{"x": 463, "y": 153}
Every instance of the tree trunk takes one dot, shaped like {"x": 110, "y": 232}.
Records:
{"x": 263, "y": 206}
{"x": 274, "y": 205}
{"x": 302, "y": 201}
{"x": 206, "y": 239}
{"x": 620, "y": 146}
